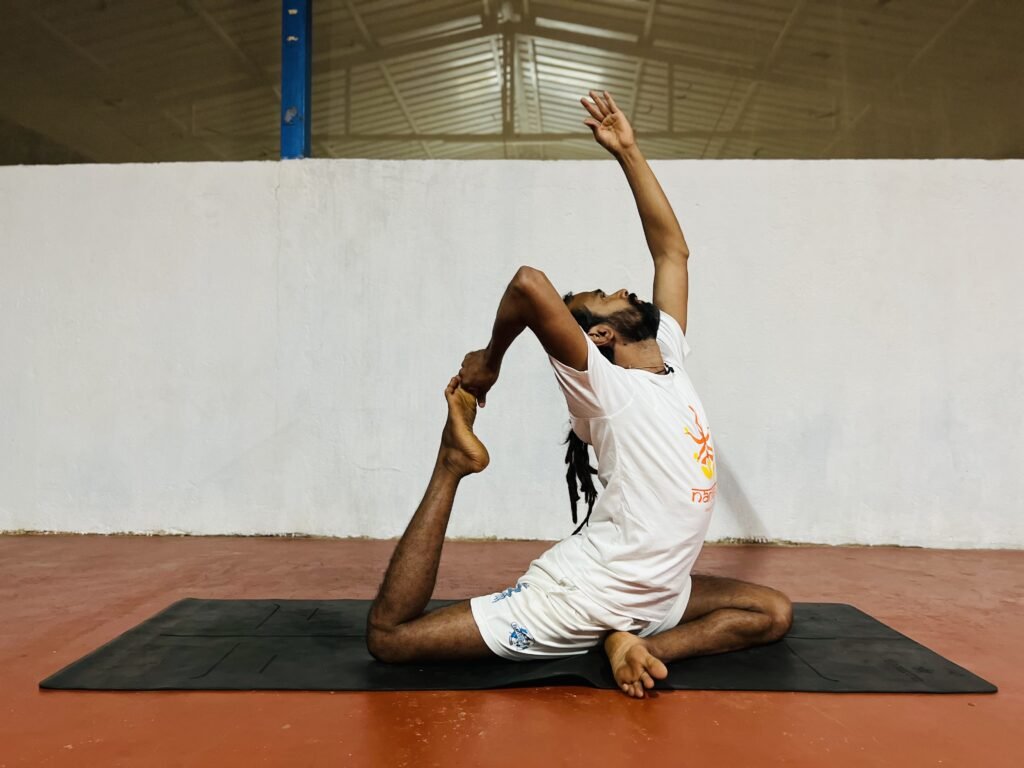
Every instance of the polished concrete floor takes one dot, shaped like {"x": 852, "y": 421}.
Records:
{"x": 62, "y": 596}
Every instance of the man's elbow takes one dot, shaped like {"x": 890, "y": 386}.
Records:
{"x": 678, "y": 255}
{"x": 527, "y": 279}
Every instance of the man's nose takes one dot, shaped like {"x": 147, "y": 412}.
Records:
{"x": 622, "y": 293}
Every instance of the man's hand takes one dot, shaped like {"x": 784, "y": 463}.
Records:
{"x": 610, "y": 126}
{"x": 477, "y": 376}
{"x": 661, "y": 228}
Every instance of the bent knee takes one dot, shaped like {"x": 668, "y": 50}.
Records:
{"x": 781, "y": 612}
{"x": 384, "y": 644}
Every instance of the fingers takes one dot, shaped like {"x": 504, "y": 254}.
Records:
{"x": 603, "y": 105}
{"x": 592, "y": 109}
{"x": 592, "y": 124}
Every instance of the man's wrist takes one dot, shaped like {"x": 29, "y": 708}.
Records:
{"x": 492, "y": 360}
{"x": 630, "y": 155}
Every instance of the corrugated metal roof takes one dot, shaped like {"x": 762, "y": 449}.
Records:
{"x": 116, "y": 80}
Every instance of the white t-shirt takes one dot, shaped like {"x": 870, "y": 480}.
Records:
{"x": 656, "y": 462}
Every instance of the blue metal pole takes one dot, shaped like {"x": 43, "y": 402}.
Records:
{"x": 296, "y": 65}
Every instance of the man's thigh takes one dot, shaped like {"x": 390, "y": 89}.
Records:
{"x": 538, "y": 618}
{"x": 446, "y": 634}
{"x": 711, "y": 593}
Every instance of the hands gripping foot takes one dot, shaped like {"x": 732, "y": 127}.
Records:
{"x": 634, "y": 667}
{"x": 461, "y": 452}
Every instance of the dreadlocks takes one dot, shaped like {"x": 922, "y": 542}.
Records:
{"x": 578, "y": 458}
{"x": 636, "y": 324}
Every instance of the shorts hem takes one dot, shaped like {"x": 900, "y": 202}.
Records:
{"x": 481, "y": 624}
{"x": 675, "y": 614}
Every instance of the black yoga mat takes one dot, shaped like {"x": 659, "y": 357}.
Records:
{"x": 320, "y": 645}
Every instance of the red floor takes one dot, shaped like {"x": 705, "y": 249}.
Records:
{"x": 65, "y": 595}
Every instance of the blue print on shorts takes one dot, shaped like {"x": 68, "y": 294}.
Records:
{"x": 520, "y": 637}
{"x": 508, "y": 592}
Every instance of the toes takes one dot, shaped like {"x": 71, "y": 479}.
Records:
{"x": 657, "y": 668}
{"x": 647, "y": 681}
{"x": 633, "y": 689}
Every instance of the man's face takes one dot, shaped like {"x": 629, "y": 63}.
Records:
{"x": 605, "y": 304}
{"x": 632, "y": 319}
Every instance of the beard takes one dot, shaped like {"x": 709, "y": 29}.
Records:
{"x": 639, "y": 322}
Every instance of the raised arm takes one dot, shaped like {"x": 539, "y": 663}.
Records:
{"x": 661, "y": 228}
{"x": 530, "y": 301}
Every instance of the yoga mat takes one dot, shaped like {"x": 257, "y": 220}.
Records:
{"x": 314, "y": 645}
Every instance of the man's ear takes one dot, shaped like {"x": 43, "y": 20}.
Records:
{"x": 601, "y": 334}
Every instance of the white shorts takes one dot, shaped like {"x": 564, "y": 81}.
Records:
{"x": 544, "y": 616}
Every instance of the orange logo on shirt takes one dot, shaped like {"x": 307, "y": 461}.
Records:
{"x": 705, "y": 451}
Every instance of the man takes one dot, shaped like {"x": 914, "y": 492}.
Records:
{"x": 625, "y": 579}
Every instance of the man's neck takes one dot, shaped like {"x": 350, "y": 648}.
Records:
{"x": 641, "y": 355}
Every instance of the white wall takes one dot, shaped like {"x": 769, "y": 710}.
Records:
{"x": 261, "y": 347}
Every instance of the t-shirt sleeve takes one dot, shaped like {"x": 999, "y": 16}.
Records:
{"x": 601, "y": 390}
{"x": 671, "y": 340}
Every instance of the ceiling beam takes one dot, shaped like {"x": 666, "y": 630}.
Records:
{"x": 645, "y": 40}
{"x": 671, "y": 97}
{"x": 255, "y": 73}
{"x": 654, "y": 53}
{"x": 531, "y": 47}
{"x": 535, "y": 78}
{"x": 491, "y": 26}
{"x": 847, "y": 128}
{"x": 534, "y": 138}
{"x": 762, "y": 71}
{"x": 508, "y": 86}
{"x": 336, "y": 62}
{"x": 371, "y": 45}
{"x": 137, "y": 96}
{"x": 252, "y": 68}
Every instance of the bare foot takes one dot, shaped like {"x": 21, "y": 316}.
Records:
{"x": 633, "y": 666}
{"x": 462, "y": 453}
